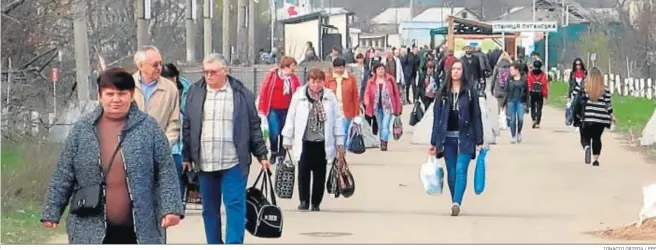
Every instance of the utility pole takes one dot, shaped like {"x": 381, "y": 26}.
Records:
{"x": 143, "y": 15}
{"x": 82, "y": 67}
{"x": 251, "y": 32}
{"x": 208, "y": 9}
{"x": 412, "y": 9}
{"x": 242, "y": 32}
{"x": 226, "y": 31}
{"x": 534, "y": 10}
{"x": 190, "y": 19}
{"x": 274, "y": 16}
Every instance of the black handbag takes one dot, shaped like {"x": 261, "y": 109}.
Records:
{"x": 417, "y": 114}
{"x": 331, "y": 183}
{"x": 285, "y": 177}
{"x": 263, "y": 217}
{"x": 90, "y": 200}
{"x": 356, "y": 141}
{"x": 345, "y": 181}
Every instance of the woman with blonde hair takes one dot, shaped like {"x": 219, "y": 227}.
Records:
{"x": 593, "y": 112}
{"x": 500, "y": 77}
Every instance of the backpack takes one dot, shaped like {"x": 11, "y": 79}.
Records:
{"x": 502, "y": 76}
{"x": 263, "y": 216}
{"x": 537, "y": 87}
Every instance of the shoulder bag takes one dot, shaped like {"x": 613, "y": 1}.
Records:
{"x": 90, "y": 200}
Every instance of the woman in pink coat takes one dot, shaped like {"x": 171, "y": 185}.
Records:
{"x": 382, "y": 100}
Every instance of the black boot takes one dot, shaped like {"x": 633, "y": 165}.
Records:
{"x": 304, "y": 206}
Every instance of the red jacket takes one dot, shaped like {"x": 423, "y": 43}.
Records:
{"x": 370, "y": 95}
{"x": 448, "y": 62}
{"x": 266, "y": 90}
{"x": 542, "y": 77}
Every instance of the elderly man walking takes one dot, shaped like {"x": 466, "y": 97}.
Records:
{"x": 156, "y": 95}
{"x": 221, "y": 130}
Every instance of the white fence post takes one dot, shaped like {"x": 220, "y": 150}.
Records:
{"x": 625, "y": 87}
{"x": 643, "y": 92}
{"x": 650, "y": 89}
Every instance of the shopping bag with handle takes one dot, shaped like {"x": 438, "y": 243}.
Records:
{"x": 432, "y": 176}
{"x": 479, "y": 172}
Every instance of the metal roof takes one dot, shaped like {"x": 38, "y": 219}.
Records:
{"x": 393, "y": 16}
{"x": 438, "y": 14}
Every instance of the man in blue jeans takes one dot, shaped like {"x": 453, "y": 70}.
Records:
{"x": 221, "y": 130}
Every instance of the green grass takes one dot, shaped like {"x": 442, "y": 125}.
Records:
{"x": 26, "y": 172}
{"x": 632, "y": 113}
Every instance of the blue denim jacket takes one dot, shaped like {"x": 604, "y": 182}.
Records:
{"x": 177, "y": 148}
{"x": 471, "y": 125}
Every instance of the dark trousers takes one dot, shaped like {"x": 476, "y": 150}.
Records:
{"x": 276, "y": 119}
{"x": 373, "y": 123}
{"x": 591, "y": 136}
{"x": 120, "y": 235}
{"x": 427, "y": 102}
{"x": 537, "y": 101}
{"x": 410, "y": 85}
{"x": 313, "y": 167}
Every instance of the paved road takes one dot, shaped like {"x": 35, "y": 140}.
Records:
{"x": 538, "y": 192}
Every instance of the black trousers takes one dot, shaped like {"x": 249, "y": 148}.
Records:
{"x": 120, "y": 235}
{"x": 312, "y": 167}
{"x": 537, "y": 102}
{"x": 373, "y": 123}
{"x": 591, "y": 136}
{"x": 410, "y": 85}
{"x": 427, "y": 102}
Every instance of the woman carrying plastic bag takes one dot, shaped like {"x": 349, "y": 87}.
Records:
{"x": 431, "y": 174}
{"x": 479, "y": 172}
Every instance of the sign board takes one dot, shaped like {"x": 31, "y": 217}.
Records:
{"x": 593, "y": 57}
{"x": 524, "y": 27}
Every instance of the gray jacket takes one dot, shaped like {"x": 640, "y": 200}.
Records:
{"x": 152, "y": 178}
{"x": 246, "y": 134}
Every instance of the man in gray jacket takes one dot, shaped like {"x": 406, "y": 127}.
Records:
{"x": 221, "y": 130}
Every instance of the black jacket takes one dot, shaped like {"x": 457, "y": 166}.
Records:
{"x": 473, "y": 67}
{"x": 422, "y": 82}
{"x": 246, "y": 133}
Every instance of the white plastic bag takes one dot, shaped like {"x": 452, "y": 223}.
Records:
{"x": 503, "y": 124}
{"x": 432, "y": 176}
{"x": 264, "y": 126}
{"x": 649, "y": 203}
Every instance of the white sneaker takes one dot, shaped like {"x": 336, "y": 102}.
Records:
{"x": 519, "y": 138}
{"x": 513, "y": 140}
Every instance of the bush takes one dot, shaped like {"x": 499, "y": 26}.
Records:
{"x": 26, "y": 172}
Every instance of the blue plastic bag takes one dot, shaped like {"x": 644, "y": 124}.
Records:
{"x": 432, "y": 176}
{"x": 479, "y": 172}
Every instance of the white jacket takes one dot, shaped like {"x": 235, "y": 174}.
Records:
{"x": 297, "y": 119}
{"x": 399, "y": 77}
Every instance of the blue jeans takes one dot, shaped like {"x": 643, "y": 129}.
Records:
{"x": 231, "y": 184}
{"x": 178, "y": 166}
{"x": 516, "y": 116}
{"x": 276, "y": 120}
{"x": 456, "y": 167}
{"x": 383, "y": 119}
{"x": 347, "y": 126}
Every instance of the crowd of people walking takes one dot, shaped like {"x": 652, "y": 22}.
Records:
{"x": 122, "y": 169}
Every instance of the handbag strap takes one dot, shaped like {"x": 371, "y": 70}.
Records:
{"x": 269, "y": 186}
{"x": 111, "y": 161}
